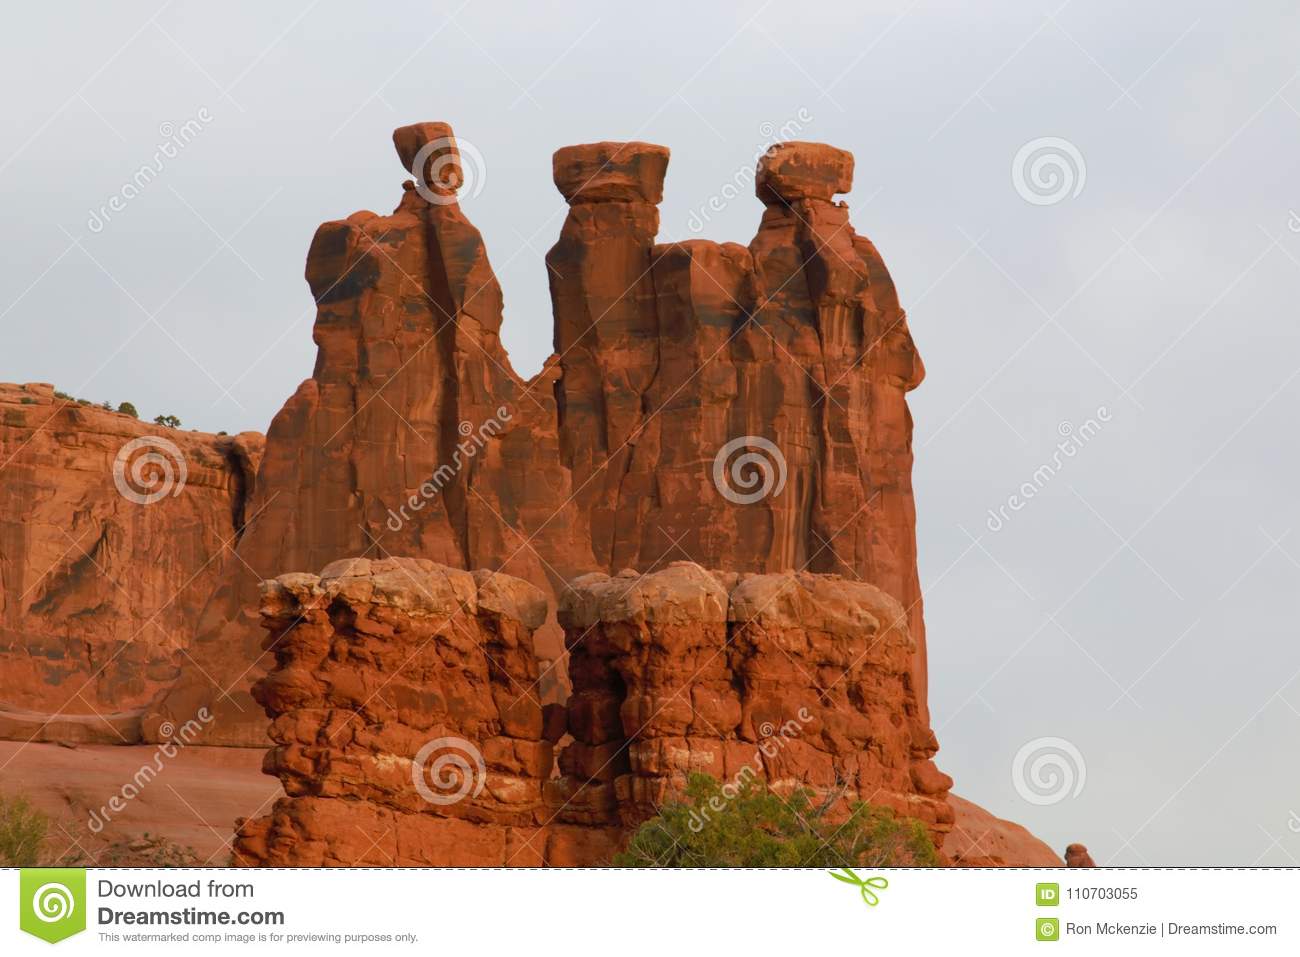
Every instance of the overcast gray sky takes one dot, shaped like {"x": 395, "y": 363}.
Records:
{"x": 1138, "y": 606}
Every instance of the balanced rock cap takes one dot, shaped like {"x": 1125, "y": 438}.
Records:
{"x": 596, "y": 172}
{"x": 789, "y": 172}
{"x": 433, "y": 147}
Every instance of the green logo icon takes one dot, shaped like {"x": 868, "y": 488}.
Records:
{"x": 52, "y": 902}
{"x": 1047, "y": 895}
{"x": 868, "y": 886}
{"x": 1047, "y": 928}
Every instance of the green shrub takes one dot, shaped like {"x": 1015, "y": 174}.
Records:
{"x": 168, "y": 420}
{"x": 126, "y": 408}
{"x": 62, "y": 395}
{"x": 27, "y": 400}
{"x": 22, "y": 832}
{"x": 748, "y": 825}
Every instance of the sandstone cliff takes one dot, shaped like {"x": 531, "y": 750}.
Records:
{"x": 112, "y": 534}
{"x": 409, "y": 730}
{"x": 739, "y": 407}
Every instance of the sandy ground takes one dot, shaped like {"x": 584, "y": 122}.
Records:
{"x": 191, "y": 798}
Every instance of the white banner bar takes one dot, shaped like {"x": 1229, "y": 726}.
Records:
{"x": 652, "y": 912}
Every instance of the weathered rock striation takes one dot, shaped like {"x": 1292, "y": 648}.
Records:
{"x": 796, "y": 679}
{"x": 408, "y": 729}
{"x": 739, "y": 407}
{"x": 407, "y": 722}
{"x": 111, "y": 539}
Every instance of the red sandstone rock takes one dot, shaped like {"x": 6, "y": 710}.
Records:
{"x": 609, "y": 458}
{"x": 1076, "y": 855}
{"x": 800, "y": 680}
{"x": 620, "y": 172}
{"x": 792, "y": 172}
{"x": 98, "y": 591}
{"x": 978, "y": 839}
{"x": 406, "y": 718}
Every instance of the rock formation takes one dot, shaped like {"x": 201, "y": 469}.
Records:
{"x": 112, "y": 534}
{"x": 739, "y": 407}
{"x": 1076, "y": 855}
{"x": 409, "y": 731}
{"x": 407, "y": 722}
{"x": 979, "y": 839}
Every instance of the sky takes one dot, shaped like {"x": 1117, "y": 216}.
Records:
{"x": 1090, "y": 210}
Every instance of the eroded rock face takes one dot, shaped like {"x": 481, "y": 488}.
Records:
{"x": 1076, "y": 855}
{"x": 741, "y": 407}
{"x": 103, "y": 573}
{"x": 407, "y": 722}
{"x": 385, "y": 668}
{"x": 796, "y": 679}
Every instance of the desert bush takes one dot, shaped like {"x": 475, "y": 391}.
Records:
{"x": 22, "y": 832}
{"x": 749, "y": 825}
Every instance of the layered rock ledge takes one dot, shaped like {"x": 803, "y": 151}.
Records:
{"x": 408, "y": 730}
